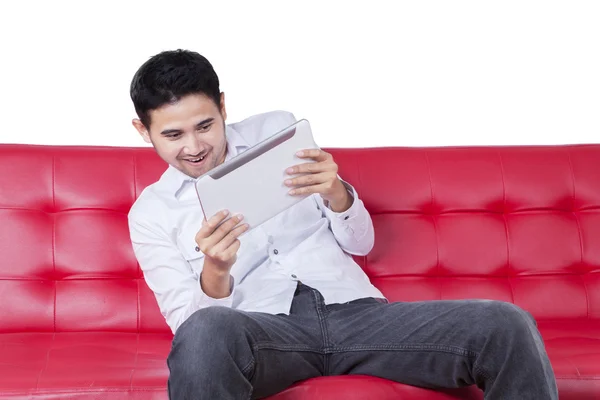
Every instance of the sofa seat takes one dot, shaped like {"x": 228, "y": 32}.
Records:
{"x": 574, "y": 350}
{"x": 105, "y": 365}
{"x": 360, "y": 387}
{"x": 84, "y": 365}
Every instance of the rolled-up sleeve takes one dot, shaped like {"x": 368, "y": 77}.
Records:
{"x": 353, "y": 228}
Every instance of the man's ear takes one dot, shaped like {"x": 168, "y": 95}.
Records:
{"x": 223, "y": 110}
{"x": 137, "y": 124}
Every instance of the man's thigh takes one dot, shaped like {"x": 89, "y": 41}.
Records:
{"x": 430, "y": 344}
{"x": 288, "y": 348}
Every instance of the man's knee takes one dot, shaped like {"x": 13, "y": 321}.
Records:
{"x": 506, "y": 318}
{"x": 208, "y": 322}
{"x": 207, "y": 333}
{"x": 211, "y": 347}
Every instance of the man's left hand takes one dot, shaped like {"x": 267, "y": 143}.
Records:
{"x": 321, "y": 177}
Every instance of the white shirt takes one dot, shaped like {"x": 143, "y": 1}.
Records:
{"x": 308, "y": 242}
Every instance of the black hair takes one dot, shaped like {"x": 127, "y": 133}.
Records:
{"x": 170, "y": 75}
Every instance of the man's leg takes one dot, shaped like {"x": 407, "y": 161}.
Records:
{"x": 443, "y": 344}
{"x": 221, "y": 353}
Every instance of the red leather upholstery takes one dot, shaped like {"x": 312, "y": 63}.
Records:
{"x": 517, "y": 224}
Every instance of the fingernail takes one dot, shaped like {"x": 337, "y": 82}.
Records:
{"x": 300, "y": 153}
{"x": 290, "y": 170}
{"x": 239, "y": 217}
{"x": 288, "y": 182}
{"x": 225, "y": 212}
{"x": 292, "y": 192}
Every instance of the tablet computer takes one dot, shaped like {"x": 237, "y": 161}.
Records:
{"x": 252, "y": 183}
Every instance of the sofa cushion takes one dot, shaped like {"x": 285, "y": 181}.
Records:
{"x": 84, "y": 365}
{"x": 574, "y": 350}
{"x": 111, "y": 365}
{"x": 358, "y": 387}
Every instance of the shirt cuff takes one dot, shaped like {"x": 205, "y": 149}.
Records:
{"x": 204, "y": 300}
{"x": 351, "y": 212}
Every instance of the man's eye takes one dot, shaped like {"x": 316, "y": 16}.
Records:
{"x": 174, "y": 135}
{"x": 204, "y": 128}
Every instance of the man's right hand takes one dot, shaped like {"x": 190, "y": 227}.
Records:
{"x": 220, "y": 246}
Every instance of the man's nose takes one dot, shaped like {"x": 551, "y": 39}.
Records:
{"x": 193, "y": 144}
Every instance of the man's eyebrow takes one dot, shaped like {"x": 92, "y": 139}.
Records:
{"x": 170, "y": 131}
{"x": 199, "y": 124}
{"x": 204, "y": 122}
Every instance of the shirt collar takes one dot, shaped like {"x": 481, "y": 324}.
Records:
{"x": 175, "y": 181}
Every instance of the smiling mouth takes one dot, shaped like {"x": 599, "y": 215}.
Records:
{"x": 196, "y": 160}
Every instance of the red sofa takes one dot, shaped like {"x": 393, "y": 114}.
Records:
{"x": 519, "y": 224}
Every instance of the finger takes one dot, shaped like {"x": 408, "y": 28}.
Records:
{"x": 212, "y": 244}
{"x": 208, "y": 227}
{"x": 308, "y": 180}
{"x": 308, "y": 190}
{"x": 231, "y": 237}
{"x": 312, "y": 167}
{"x": 225, "y": 228}
{"x": 315, "y": 154}
{"x": 232, "y": 250}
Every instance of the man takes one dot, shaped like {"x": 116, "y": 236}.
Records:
{"x": 285, "y": 302}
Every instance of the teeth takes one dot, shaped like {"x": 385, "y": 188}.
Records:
{"x": 197, "y": 159}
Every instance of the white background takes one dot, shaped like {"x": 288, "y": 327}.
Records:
{"x": 364, "y": 73}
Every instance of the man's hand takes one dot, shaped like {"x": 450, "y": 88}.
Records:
{"x": 220, "y": 246}
{"x": 321, "y": 178}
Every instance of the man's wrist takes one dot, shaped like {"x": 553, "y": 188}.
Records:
{"x": 215, "y": 283}
{"x": 343, "y": 201}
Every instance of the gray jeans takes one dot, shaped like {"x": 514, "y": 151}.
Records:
{"x": 222, "y": 353}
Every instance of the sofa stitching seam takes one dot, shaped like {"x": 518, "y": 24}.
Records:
{"x": 435, "y": 228}
{"x": 508, "y": 275}
{"x": 54, "y": 280}
{"x": 575, "y": 215}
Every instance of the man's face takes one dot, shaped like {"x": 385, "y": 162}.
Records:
{"x": 188, "y": 134}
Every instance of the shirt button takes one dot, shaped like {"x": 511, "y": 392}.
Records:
{"x": 346, "y": 217}
{"x": 276, "y": 251}
{"x": 197, "y": 249}
{"x": 294, "y": 276}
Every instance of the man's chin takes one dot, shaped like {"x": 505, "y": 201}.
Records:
{"x": 195, "y": 174}
{"x": 191, "y": 170}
